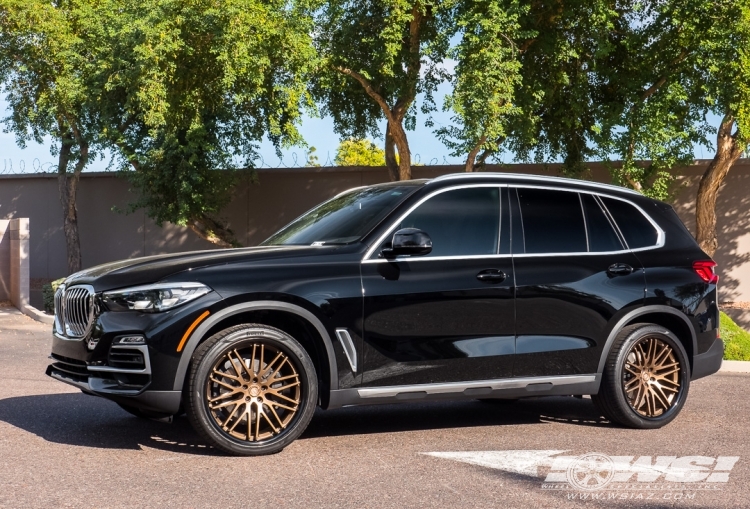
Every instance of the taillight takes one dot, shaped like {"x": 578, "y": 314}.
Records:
{"x": 705, "y": 269}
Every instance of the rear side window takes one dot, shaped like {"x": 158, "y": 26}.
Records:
{"x": 637, "y": 230}
{"x": 552, "y": 221}
{"x": 461, "y": 222}
{"x": 602, "y": 236}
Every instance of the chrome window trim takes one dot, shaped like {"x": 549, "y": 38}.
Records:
{"x": 660, "y": 238}
{"x": 454, "y": 387}
{"x": 381, "y": 239}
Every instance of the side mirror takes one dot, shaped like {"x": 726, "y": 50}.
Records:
{"x": 408, "y": 241}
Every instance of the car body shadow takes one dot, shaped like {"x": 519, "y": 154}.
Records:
{"x": 453, "y": 414}
{"x": 88, "y": 421}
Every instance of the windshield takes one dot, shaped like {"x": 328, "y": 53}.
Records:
{"x": 343, "y": 219}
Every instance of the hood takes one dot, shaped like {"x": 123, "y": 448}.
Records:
{"x": 152, "y": 269}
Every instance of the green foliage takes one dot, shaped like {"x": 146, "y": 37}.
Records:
{"x": 673, "y": 51}
{"x": 48, "y": 294}
{"x": 486, "y": 77}
{"x": 353, "y": 152}
{"x": 378, "y": 57}
{"x": 312, "y": 157}
{"x": 736, "y": 340}
{"x": 45, "y": 64}
{"x": 189, "y": 89}
{"x": 183, "y": 91}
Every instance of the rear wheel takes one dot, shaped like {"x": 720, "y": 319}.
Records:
{"x": 646, "y": 378}
{"x": 252, "y": 390}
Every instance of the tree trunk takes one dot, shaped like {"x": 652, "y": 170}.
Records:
{"x": 390, "y": 154}
{"x": 404, "y": 154}
{"x": 728, "y": 150}
{"x": 68, "y": 188}
{"x": 471, "y": 159}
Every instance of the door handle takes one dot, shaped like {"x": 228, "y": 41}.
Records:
{"x": 492, "y": 276}
{"x": 619, "y": 269}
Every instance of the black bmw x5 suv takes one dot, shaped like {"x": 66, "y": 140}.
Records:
{"x": 485, "y": 286}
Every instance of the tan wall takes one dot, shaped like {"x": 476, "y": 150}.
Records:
{"x": 258, "y": 210}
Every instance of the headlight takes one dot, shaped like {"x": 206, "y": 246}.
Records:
{"x": 154, "y": 298}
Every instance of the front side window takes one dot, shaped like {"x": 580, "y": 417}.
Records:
{"x": 552, "y": 221}
{"x": 460, "y": 222}
{"x": 343, "y": 219}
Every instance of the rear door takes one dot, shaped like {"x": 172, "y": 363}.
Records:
{"x": 573, "y": 274}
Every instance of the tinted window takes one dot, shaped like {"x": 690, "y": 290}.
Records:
{"x": 343, "y": 219}
{"x": 552, "y": 221}
{"x": 461, "y": 222}
{"x": 602, "y": 236}
{"x": 636, "y": 229}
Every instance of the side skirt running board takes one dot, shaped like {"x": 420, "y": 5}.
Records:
{"x": 506, "y": 388}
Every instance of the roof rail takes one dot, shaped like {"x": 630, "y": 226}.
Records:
{"x": 542, "y": 178}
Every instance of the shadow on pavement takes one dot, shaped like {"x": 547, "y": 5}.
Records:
{"x": 455, "y": 414}
{"x": 89, "y": 421}
{"x": 78, "y": 419}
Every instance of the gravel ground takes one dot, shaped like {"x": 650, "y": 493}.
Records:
{"x": 61, "y": 448}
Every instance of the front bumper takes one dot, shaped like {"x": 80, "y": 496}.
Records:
{"x": 107, "y": 382}
{"x": 709, "y": 362}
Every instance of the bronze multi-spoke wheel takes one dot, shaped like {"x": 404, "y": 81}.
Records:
{"x": 252, "y": 390}
{"x": 253, "y": 393}
{"x": 645, "y": 379}
{"x": 651, "y": 377}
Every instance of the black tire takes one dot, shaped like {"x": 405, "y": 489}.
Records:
{"x": 643, "y": 388}
{"x": 143, "y": 414}
{"x": 244, "y": 398}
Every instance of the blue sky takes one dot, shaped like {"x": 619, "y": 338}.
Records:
{"x": 318, "y": 132}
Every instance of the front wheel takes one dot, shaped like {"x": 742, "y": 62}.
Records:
{"x": 252, "y": 390}
{"x": 646, "y": 378}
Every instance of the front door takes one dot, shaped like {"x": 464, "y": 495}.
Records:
{"x": 447, "y": 316}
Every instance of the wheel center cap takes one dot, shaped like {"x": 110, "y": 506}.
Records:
{"x": 254, "y": 391}
{"x": 646, "y": 376}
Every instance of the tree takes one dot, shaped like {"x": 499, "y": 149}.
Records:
{"x": 378, "y": 56}
{"x": 486, "y": 76}
{"x": 725, "y": 85}
{"x": 684, "y": 60}
{"x": 189, "y": 89}
{"x": 359, "y": 153}
{"x": 44, "y": 64}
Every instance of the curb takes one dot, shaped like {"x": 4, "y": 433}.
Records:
{"x": 40, "y": 316}
{"x": 735, "y": 367}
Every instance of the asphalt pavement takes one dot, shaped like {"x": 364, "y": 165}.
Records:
{"x": 61, "y": 448}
